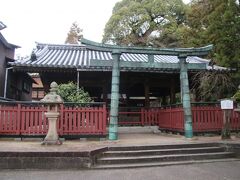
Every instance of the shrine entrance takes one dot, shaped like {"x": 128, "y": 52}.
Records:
{"x": 152, "y": 62}
{"x": 138, "y": 91}
{"x": 123, "y": 77}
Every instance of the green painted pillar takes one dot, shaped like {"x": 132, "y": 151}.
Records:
{"x": 113, "y": 125}
{"x": 185, "y": 97}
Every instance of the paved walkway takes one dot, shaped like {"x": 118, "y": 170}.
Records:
{"x": 125, "y": 139}
{"x": 206, "y": 171}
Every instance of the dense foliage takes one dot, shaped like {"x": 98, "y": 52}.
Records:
{"x": 146, "y": 22}
{"x": 164, "y": 23}
{"x": 70, "y": 93}
{"x": 215, "y": 22}
{"x": 75, "y": 34}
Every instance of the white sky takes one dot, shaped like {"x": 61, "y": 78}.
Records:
{"x": 49, "y": 21}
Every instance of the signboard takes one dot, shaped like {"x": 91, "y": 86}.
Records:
{"x": 226, "y": 104}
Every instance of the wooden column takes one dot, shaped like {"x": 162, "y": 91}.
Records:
{"x": 172, "y": 92}
{"x": 185, "y": 97}
{"x": 146, "y": 92}
{"x": 104, "y": 91}
{"x": 164, "y": 100}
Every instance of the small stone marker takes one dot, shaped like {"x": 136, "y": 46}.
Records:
{"x": 227, "y": 107}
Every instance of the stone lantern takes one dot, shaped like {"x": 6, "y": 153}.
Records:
{"x": 52, "y": 101}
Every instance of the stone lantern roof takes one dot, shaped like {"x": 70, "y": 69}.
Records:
{"x": 52, "y": 97}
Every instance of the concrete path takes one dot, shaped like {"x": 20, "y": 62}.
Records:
{"x": 125, "y": 139}
{"x": 210, "y": 171}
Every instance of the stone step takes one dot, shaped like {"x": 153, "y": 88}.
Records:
{"x": 43, "y": 154}
{"x": 168, "y": 146}
{"x": 163, "y": 151}
{"x": 138, "y": 129}
{"x": 155, "y": 164}
{"x": 50, "y": 153}
{"x": 164, "y": 158}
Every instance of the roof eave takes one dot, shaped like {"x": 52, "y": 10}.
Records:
{"x": 6, "y": 44}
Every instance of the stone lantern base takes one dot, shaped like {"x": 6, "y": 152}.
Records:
{"x": 52, "y": 135}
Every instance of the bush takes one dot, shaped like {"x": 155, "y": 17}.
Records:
{"x": 236, "y": 96}
{"x": 70, "y": 93}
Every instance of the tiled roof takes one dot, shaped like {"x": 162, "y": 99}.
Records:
{"x": 79, "y": 56}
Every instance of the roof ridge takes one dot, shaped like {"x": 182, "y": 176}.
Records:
{"x": 60, "y": 46}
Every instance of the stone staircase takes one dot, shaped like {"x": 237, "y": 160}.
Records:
{"x": 161, "y": 155}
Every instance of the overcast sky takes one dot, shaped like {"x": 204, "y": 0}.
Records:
{"x": 49, "y": 21}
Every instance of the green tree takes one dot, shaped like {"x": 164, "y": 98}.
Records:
{"x": 70, "y": 93}
{"x": 75, "y": 34}
{"x": 146, "y": 23}
{"x": 224, "y": 32}
{"x": 216, "y": 22}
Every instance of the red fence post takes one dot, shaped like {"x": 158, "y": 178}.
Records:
{"x": 104, "y": 121}
{"x": 18, "y": 119}
{"x": 61, "y": 124}
{"x": 142, "y": 116}
{"x": 170, "y": 119}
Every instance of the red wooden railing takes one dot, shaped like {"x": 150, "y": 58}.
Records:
{"x": 32, "y": 120}
{"x": 17, "y": 119}
{"x": 210, "y": 118}
{"x": 129, "y": 116}
{"x": 150, "y": 116}
{"x": 172, "y": 119}
{"x": 166, "y": 118}
{"x": 82, "y": 120}
{"x": 29, "y": 119}
{"x": 205, "y": 118}
{"x": 235, "y": 121}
